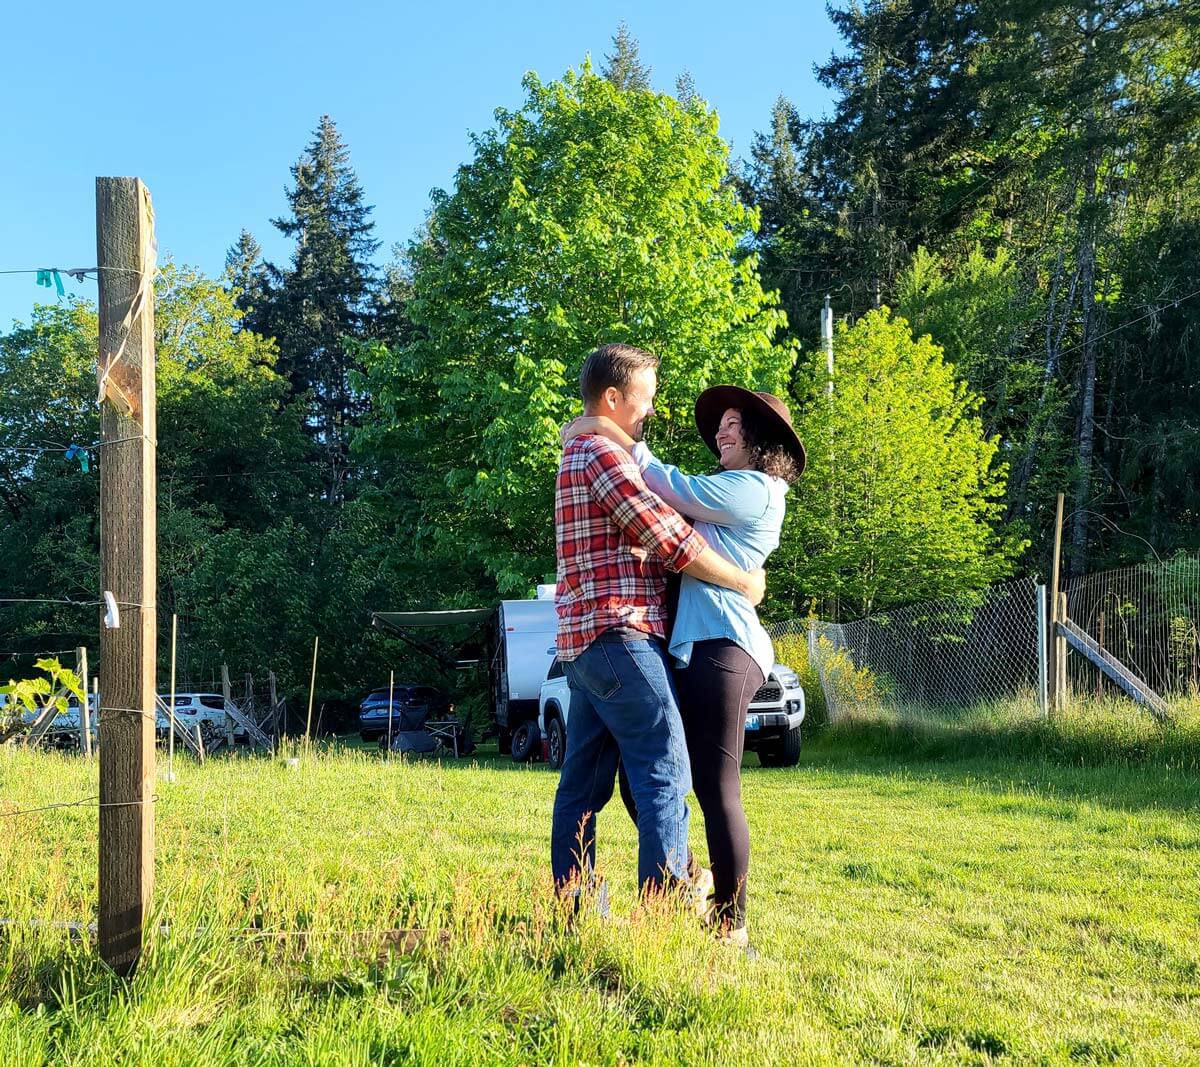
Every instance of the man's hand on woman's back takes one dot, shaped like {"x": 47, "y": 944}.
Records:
{"x": 715, "y": 569}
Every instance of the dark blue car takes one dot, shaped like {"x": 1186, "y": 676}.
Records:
{"x": 408, "y": 702}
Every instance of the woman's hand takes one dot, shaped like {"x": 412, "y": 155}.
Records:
{"x": 601, "y": 425}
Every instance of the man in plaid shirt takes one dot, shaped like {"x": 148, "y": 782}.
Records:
{"x": 616, "y": 541}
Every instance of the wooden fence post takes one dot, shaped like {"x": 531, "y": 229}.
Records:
{"x": 312, "y": 685}
{"x": 277, "y": 727}
{"x": 85, "y": 717}
{"x": 128, "y": 556}
{"x": 225, "y": 691}
{"x": 391, "y": 699}
{"x": 171, "y": 709}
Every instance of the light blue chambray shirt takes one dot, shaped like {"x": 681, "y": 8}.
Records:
{"x": 740, "y": 514}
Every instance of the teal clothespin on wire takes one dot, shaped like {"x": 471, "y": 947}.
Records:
{"x": 80, "y": 453}
{"x": 44, "y": 278}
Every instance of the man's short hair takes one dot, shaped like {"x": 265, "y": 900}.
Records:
{"x": 612, "y": 365}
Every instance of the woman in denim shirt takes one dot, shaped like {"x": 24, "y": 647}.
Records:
{"x": 721, "y": 652}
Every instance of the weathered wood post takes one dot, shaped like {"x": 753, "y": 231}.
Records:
{"x": 126, "y": 255}
{"x": 85, "y": 716}
{"x": 312, "y": 685}
{"x": 226, "y": 692}
{"x": 391, "y": 699}
{"x": 171, "y": 708}
{"x": 275, "y": 723}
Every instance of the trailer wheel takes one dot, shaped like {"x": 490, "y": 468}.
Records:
{"x": 525, "y": 740}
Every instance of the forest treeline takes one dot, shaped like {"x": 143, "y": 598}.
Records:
{"x": 1003, "y": 206}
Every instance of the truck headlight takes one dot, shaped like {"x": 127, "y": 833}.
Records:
{"x": 788, "y": 679}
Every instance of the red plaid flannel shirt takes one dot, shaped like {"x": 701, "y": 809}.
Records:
{"x": 615, "y": 541}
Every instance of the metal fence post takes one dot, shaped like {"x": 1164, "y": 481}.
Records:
{"x": 1060, "y": 657}
{"x": 1042, "y": 651}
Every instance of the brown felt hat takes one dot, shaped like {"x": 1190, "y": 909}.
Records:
{"x": 767, "y": 410}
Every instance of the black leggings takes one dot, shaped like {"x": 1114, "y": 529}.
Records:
{"x": 715, "y": 690}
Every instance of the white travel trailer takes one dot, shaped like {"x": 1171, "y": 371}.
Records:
{"x": 514, "y": 639}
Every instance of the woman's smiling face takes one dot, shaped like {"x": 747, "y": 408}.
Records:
{"x": 731, "y": 442}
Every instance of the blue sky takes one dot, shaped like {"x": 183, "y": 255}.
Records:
{"x": 211, "y": 104}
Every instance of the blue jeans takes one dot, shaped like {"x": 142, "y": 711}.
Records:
{"x": 623, "y": 708}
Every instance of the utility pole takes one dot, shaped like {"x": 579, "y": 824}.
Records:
{"x": 831, "y": 605}
{"x": 126, "y": 253}
{"x": 827, "y": 344}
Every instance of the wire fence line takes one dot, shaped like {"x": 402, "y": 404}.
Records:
{"x": 958, "y": 656}
{"x": 1148, "y": 617}
{"x": 970, "y": 654}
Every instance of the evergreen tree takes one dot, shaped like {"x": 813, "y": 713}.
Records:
{"x": 247, "y": 276}
{"x": 624, "y": 67}
{"x": 325, "y": 295}
{"x": 1026, "y": 145}
{"x": 390, "y": 320}
{"x": 797, "y": 241}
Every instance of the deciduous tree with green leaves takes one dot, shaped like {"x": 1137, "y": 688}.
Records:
{"x": 592, "y": 214}
{"x": 903, "y": 493}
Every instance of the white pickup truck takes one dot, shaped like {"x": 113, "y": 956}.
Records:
{"x": 773, "y": 719}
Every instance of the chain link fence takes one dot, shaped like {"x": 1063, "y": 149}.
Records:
{"x": 984, "y": 655}
{"x": 935, "y": 659}
{"x": 1147, "y": 617}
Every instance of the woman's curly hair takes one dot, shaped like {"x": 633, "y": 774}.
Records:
{"x": 766, "y": 455}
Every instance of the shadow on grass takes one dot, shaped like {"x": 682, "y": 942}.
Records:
{"x": 1125, "y": 770}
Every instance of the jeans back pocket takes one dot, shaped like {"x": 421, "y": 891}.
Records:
{"x": 593, "y": 672}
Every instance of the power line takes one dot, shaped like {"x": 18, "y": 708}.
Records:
{"x": 50, "y": 600}
{"x": 1173, "y": 303}
{"x": 44, "y": 652}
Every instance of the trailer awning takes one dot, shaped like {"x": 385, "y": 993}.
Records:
{"x": 399, "y": 623}
{"x": 404, "y": 620}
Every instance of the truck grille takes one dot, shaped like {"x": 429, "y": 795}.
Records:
{"x": 768, "y": 694}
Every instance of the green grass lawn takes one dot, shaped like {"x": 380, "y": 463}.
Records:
{"x": 909, "y": 907}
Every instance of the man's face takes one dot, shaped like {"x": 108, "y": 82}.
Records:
{"x": 630, "y": 409}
